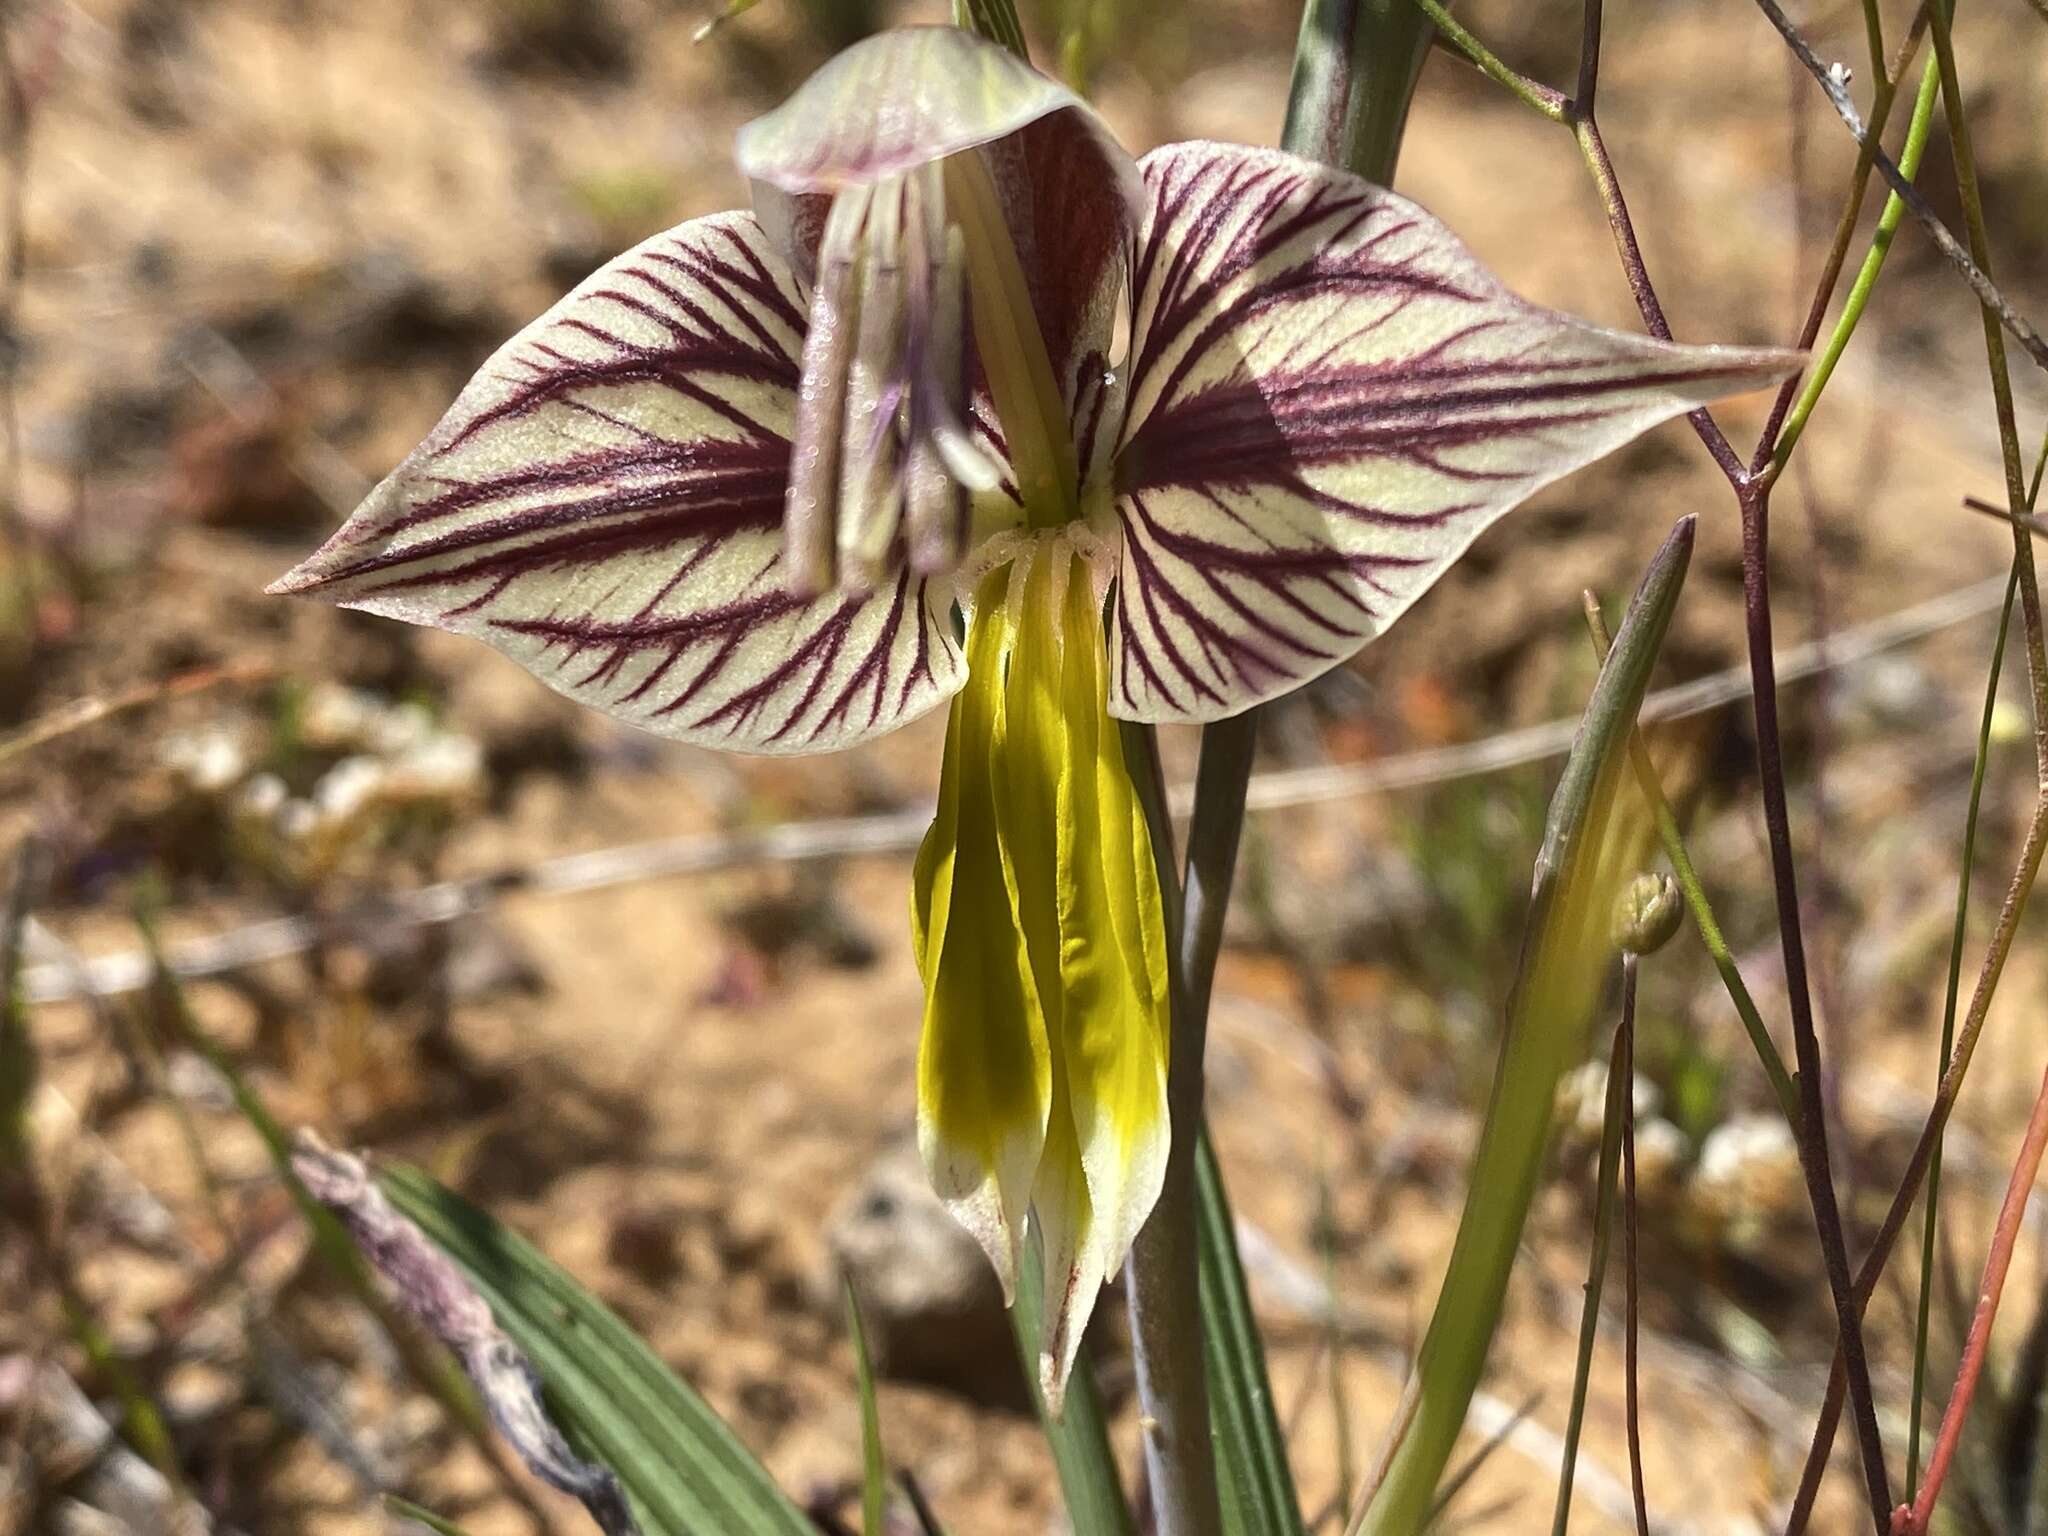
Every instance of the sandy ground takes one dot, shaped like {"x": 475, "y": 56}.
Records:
{"x": 265, "y": 244}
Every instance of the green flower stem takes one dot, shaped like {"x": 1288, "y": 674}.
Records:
{"x": 1355, "y": 70}
{"x": 1355, "y": 67}
{"x": 1164, "y": 1270}
{"x": 1696, "y": 900}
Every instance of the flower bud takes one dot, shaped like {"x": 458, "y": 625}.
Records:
{"x": 1647, "y": 914}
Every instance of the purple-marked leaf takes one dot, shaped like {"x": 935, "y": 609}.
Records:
{"x": 904, "y": 98}
{"x": 1329, "y": 399}
{"x": 603, "y": 503}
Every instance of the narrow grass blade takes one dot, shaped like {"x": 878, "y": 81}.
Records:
{"x": 1251, "y": 1452}
{"x": 405, "y": 1509}
{"x": 995, "y": 20}
{"x": 684, "y": 1469}
{"x": 1587, "y": 852}
{"x": 874, "y": 1481}
{"x": 1089, "y": 1481}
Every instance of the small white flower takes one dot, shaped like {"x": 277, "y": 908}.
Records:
{"x": 208, "y": 761}
{"x": 442, "y": 766}
{"x": 335, "y": 718}
{"x": 350, "y": 788}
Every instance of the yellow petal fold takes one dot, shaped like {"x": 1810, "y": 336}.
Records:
{"x": 984, "y": 1073}
{"x": 1085, "y": 941}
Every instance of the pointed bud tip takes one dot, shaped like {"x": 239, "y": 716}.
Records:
{"x": 1052, "y": 1386}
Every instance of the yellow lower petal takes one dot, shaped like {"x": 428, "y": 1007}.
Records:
{"x": 1098, "y": 953}
{"x": 984, "y": 1072}
{"x": 1040, "y": 933}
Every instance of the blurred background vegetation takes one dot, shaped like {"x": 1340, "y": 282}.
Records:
{"x": 252, "y": 249}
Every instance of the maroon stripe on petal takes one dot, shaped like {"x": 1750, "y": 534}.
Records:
{"x": 1327, "y": 400}
{"x": 604, "y": 504}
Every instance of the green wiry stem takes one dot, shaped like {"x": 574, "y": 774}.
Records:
{"x": 1865, "y": 284}
{"x": 1619, "y": 1081}
{"x": 1948, "y": 1038}
{"x": 1533, "y": 94}
{"x": 2022, "y": 583}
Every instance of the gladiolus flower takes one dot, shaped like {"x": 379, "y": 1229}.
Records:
{"x": 781, "y": 481}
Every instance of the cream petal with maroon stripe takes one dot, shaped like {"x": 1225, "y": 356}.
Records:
{"x": 604, "y": 502}
{"x": 1328, "y": 399}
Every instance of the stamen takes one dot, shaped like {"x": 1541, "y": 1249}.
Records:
{"x": 943, "y": 466}
{"x": 810, "y": 510}
{"x": 883, "y": 455}
{"x": 870, "y": 490}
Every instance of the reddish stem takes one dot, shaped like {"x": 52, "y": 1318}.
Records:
{"x": 1912, "y": 1521}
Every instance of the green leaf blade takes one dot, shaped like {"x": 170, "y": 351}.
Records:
{"x": 1257, "y": 1486}
{"x": 874, "y": 1482}
{"x": 1090, "y": 1484}
{"x": 682, "y": 1466}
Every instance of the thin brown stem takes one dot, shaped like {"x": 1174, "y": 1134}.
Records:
{"x": 1589, "y": 60}
{"x": 1811, "y": 1131}
{"x": 2034, "y": 524}
{"x": 2019, "y": 502}
{"x": 1873, "y": 29}
{"x": 1594, "y": 149}
{"x": 2017, "y": 891}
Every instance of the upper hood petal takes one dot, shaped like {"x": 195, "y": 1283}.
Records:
{"x": 603, "y": 503}
{"x": 1329, "y": 398}
{"x": 1071, "y": 194}
{"x": 893, "y": 102}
